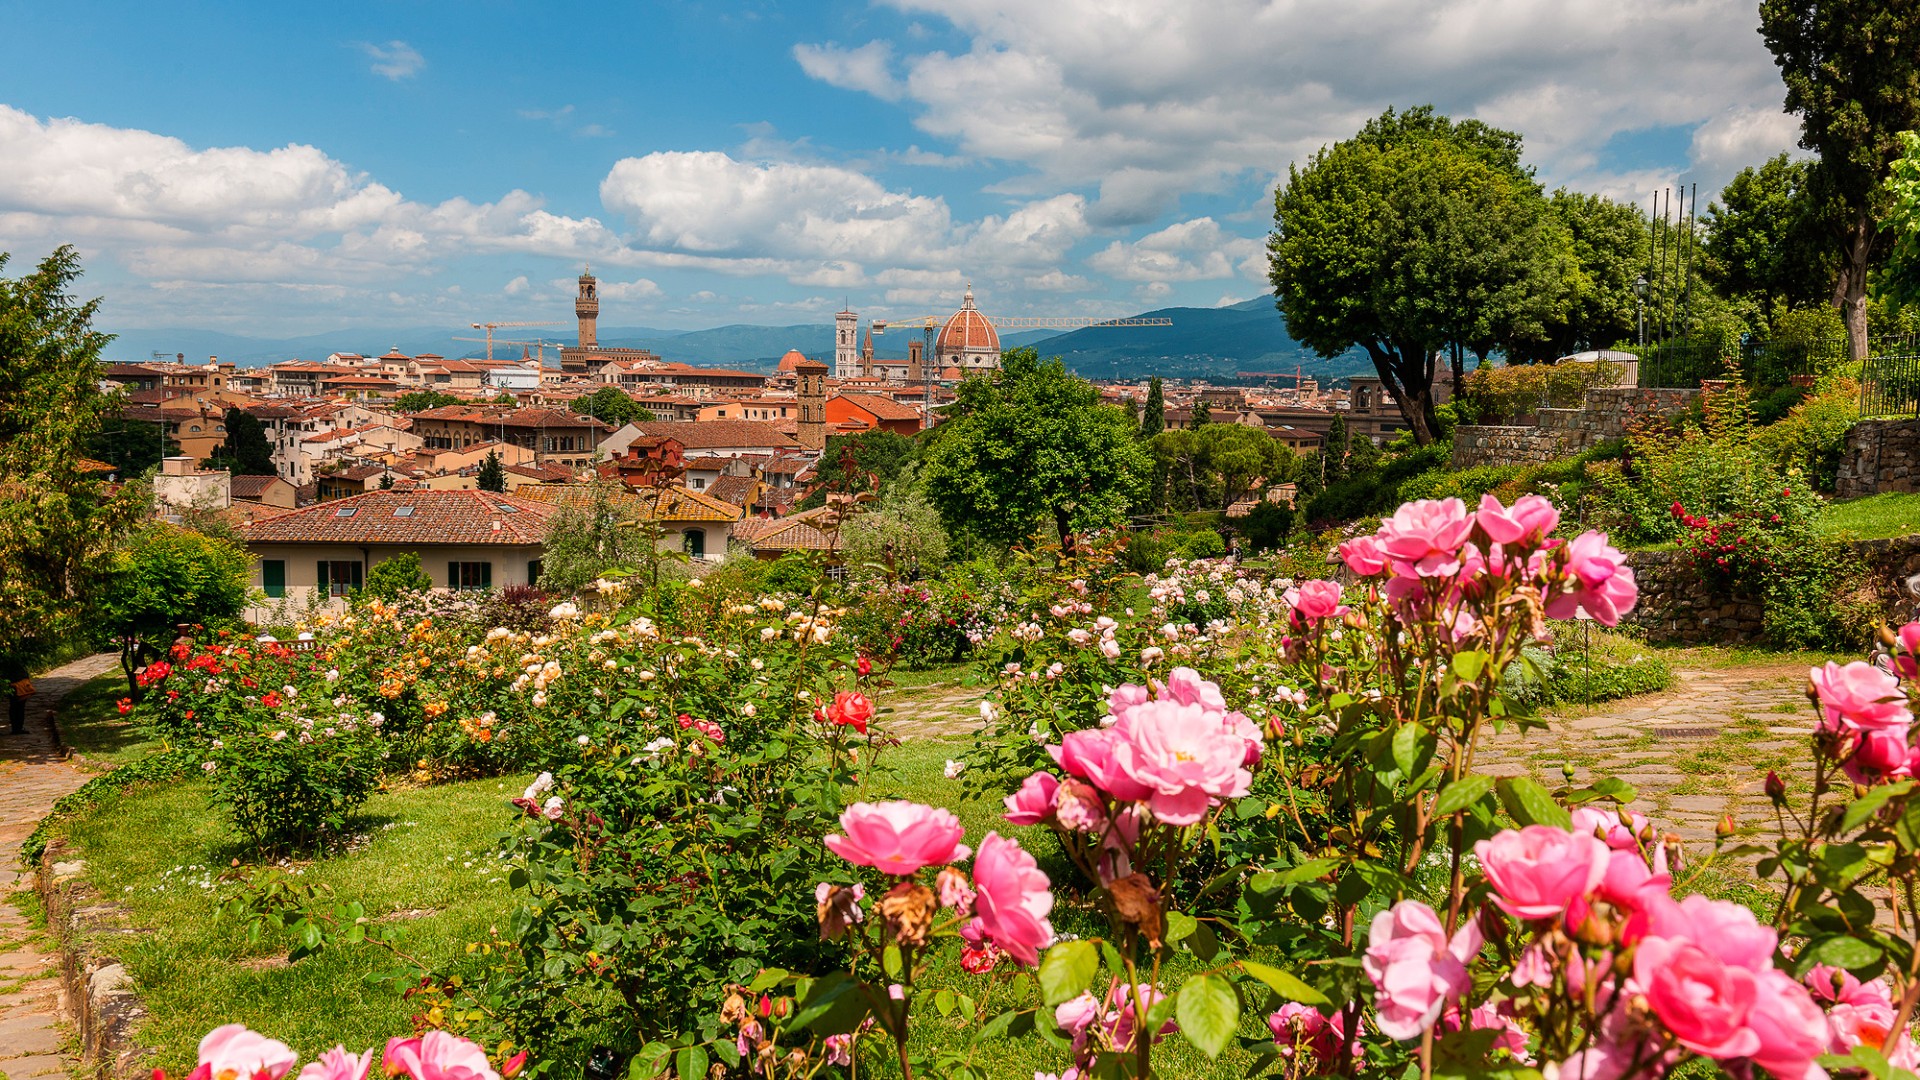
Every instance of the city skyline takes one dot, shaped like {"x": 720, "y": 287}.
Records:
{"x": 279, "y": 172}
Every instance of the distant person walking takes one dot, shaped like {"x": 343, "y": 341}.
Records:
{"x": 20, "y": 688}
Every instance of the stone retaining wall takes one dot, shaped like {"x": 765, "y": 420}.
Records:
{"x": 99, "y": 997}
{"x": 1559, "y": 433}
{"x": 1881, "y": 455}
{"x": 1679, "y": 605}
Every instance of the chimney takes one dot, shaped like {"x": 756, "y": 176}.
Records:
{"x": 176, "y": 466}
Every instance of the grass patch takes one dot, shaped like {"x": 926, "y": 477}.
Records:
{"x": 1876, "y": 517}
{"x": 90, "y": 723}
{"x": 163, "y": 853}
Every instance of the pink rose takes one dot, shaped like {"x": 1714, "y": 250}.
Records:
{"x": 1729, "y": 931}
{"x": 1608, "y": 825}
{"x": 1177, "y": 754}
{"x": 898, "y": 837}
{"x": 231, "y": 1052}
{"x": 1077, "y": 807}
{"x": 1839, "y": 986}
{"x": 1313, "y": 601}
{"x": 1423, "y": 538}
{"x": 1122, "y": 1002}
{"x": 1906, "y": 646}
{"x": 1703, "y": 1001}
{"x": 1033, "y": 803}
{"x": 1599, "y": 582}
{"x": 1238, "y": 726}
{"x": 1187, "y": 687}
{"x": 1539, "y": 871}
{"x": 1012, "y": 898}
{"x": 1860, "y": 697}
{"x": 338, "y": 1064}
{"x": 1879, "y": 754}
{"x": 1512, "y": 1037}
{"x": 1091, "y": 756}
{"x": 1531, "y": 519}
{"x": 1791, "y": 1028}
{"x": 1415, "y": 970}
{"x": 1363, "y": 556}
{"x": 1298, "y": 1027}
{"x": 1076, "y": 1016}
{"x": 438, "y": 1056}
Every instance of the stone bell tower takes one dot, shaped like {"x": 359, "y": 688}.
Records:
{"x": 811, "y": 376}
{"x": 586, "y": 307}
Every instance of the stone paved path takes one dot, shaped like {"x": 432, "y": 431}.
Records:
{"x": 32, "y": 776}
{"x": 1694, "y": 753}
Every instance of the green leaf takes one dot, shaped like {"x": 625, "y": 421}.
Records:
{"x": 1865, "y": 806}
{"x": 1203, "y": 943}
{"x": 830, "y": 1005}
{"x": 1287, "y": 986}
{"x": 1612, "y": 787}
{"x": 691, "y": 1063}
{"x": 1461, "y": 794}
{"x": 943, "y": 1001}
{"x": 1406, "y": 748}
{"x": 1209, "y": 1013}
{"x": 1311, "y": 870}
{"x": 766, "y": 980}
{"x": 1841, "y": 951}
{"x": 650, "y": 1062}
{"x": 1179, "y": 925}
{"x": 1531, "y": 804}
{"x": 1066, "y": 970}
{"x": 1467, "y": 666}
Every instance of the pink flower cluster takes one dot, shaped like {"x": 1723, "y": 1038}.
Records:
{"x": 1301, "y": 1028}
{"x": 233, "y": 1052}
{"x": 1177, "y": 753}
{"x": 1860, "y": 1014}
{"x": 1434, "y": 547}
{"x": 1010, "y": 896}
{"x": 1865, "y": 713}
{"x": 1096, "y": 1024}
{"x": 1415, "y": 968}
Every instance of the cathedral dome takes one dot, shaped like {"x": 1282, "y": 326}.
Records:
{"x": 968, "y": 331}
{"x": 793, "y": 357}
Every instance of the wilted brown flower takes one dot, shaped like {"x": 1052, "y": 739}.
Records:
{"x": 1138, "y": 904}
{"x": 908, "y": 909}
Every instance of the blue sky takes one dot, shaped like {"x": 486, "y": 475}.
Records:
{"x": 283, "y": 169}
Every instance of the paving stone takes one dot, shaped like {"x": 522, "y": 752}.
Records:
{"x": 38, "y": 1065}
{"x": 29, "y": 1034}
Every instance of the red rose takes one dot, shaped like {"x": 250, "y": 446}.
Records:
{"x": 851, "y": 709}
{"x": 271, "y": 699}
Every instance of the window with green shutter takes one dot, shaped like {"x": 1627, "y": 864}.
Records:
{"x": 273, "y": 576}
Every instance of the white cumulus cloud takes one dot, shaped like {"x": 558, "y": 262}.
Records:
{"x": 395, "y": 60}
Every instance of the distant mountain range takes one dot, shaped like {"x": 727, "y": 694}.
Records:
{"x": 1213, "y": 343}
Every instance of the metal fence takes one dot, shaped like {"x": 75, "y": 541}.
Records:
{"x": 1683, "y": 364}
{"x": 1890, "y": 385}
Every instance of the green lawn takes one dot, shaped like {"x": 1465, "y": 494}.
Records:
{"x": 90, "y": 723}
{"x": 1876, "y": 517}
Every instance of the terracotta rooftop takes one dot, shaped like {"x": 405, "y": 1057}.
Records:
{"x": 409, "y": 517}
{"x": 252, "y": 487}
{"x": 883, "y": 408}
{"x": 707, "y": 434}
{"x": 653, "y": 504}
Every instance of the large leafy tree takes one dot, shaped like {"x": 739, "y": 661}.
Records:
{"x": 1212, "y": 467}
{"x": 1853, "y": 74}
{"x": 866, "y": 463}
{"x": 163, "y": 577}
{"x": 56, "y": 519}
{"x": 612, "y": 405}
{"x": 246, "y": 451}
{"x": 1153, "y": 417}
{"x": 1902, "y": 280}
{"x": 1417, "y": 235}
{"x": 422, "y": 400}
{"x": 1032, "y": 446}
{"x": 1763, "y": 239}
{"x": 1605, "y": 255}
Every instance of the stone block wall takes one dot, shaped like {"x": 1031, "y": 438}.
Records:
{"x": 1678, "y": 605}
{"x": 1881, "y": 455}
{"x": 1559, "y": 433}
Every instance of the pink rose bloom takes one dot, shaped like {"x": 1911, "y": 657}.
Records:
{"x": 1313, "y": 601}
{"x": 231, "y": 1052}
{"x": 1126, "y": 697}
{"x": 1860, "y": 697}
{"x": 1121, "y": 999}
{"x": 1906, "y": 645}
{"x": 1604, "y": 1060}
{"x": 1423, "y": 538}
{"x": 338, "y": 1064}
{"x": 1703, "y": 1001}
{"x": 1618, "y": 834}
{"x": 1176, "y": 753}
{"x": 1512, "y": 1037}
{"x": 1792, "y": 1029}
{"x": 1531, "y": 518}
{"x": 1539, "y": 871}
{"x": 1838, "y": 986}
{"x": 898, "y": 837}
{"x": 1248, "y": 732}
{"x": 1076, "y": 1016}
{"x": 1077, "y": 807}
{"x": 1728, "y": 931}
{"x": 1879, "y": 754}
{"x": 438, "y": 1056}
{"x": 1033, "y": 803}
{"x": 1187, "y": 687}
{"x": 1299, "y": 1027}
{"x": 1599, "y": 582}
{"x": 1091, "y": 756}
{"x": 1414, "y": 968}
{"x": 1011, "y": 899}
{"x": 1363, "y": 556}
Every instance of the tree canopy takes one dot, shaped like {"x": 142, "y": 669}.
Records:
{"x": 612, "y": 405}
{"x": 1029, "y": 446}
{"x": 163, "y": 577}
{"x": 1215, "y": 466}
{"x": 396, "y": 574}
{"x": 493, "y": 473}
{"x": 1417, "y": 234}
{"x": 246, "y": 451}
{"x": 860, "y": 464}
{"x": 1763, "y": 242}
{"x": 422, "y": 400}
{"x": 1853, "y": 75}
{"x": 57, "y": 520}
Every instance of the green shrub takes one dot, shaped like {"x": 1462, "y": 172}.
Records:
{"x": 1205, "y": 544}
{"x": 390, "y": 577}
{"x": 1588, "y": 665}
{"x": 289, "y": 787}
{"x": 1812, "y": 436}
{"x": 1505, "y": 395}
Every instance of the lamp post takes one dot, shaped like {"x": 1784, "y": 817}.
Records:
{"x": 1640, "y": 305}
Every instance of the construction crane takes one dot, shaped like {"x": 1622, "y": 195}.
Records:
{"x": 492, "y": 326}
{"x": 930, "y": 325}
{"x": 537, "y": 343}
{"x": 1297, "y": 377}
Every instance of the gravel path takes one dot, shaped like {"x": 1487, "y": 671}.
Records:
{"x": 32, "y": 776}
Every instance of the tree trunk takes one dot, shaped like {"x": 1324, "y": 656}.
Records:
{"x": 1850, "y": 289}
{"x": 1411, "y": 384}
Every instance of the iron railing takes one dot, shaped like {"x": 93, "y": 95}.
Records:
{"x": 1890, "y": 385}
